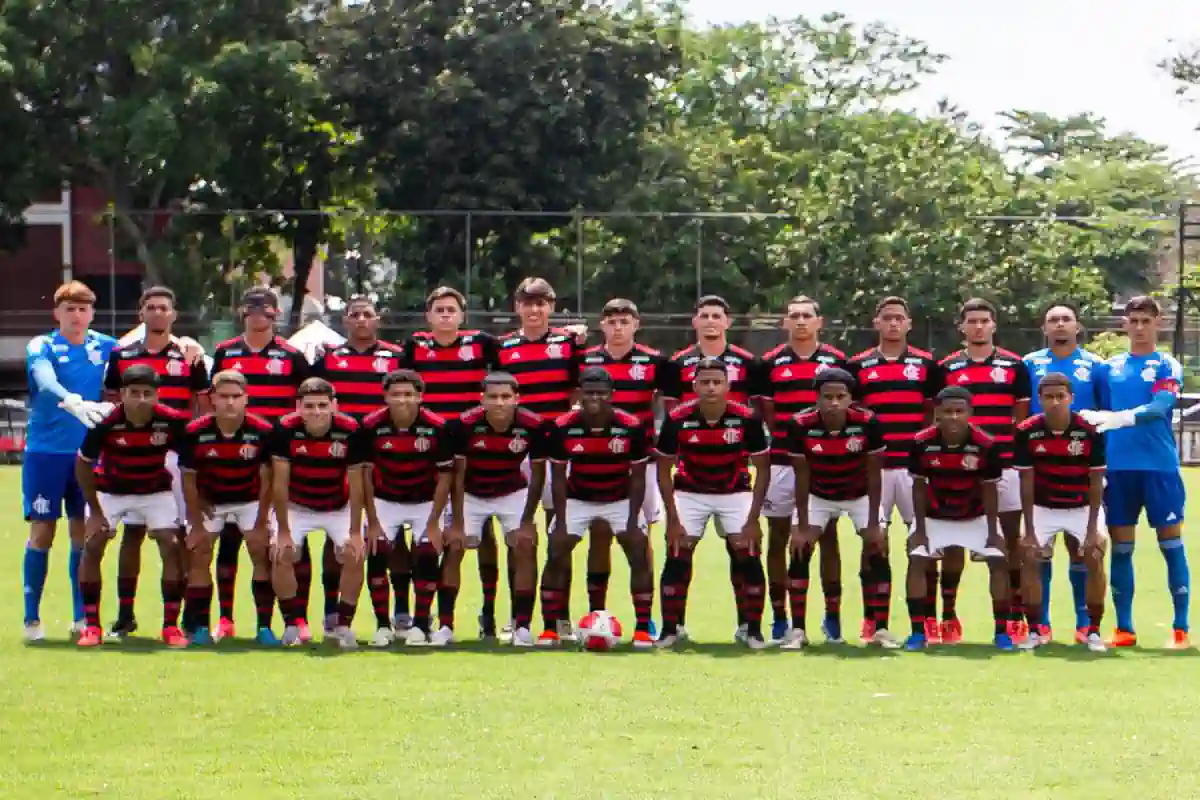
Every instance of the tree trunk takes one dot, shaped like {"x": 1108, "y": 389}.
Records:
{"x": 305, "y": 241}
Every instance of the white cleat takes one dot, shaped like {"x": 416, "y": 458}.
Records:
{"x": 755, "y": 641}
{"x": 343, "y": 638}
{"x": 330, "y": 624}
{"x": 1096, "y": 644}
{"x": 1031, "y": 642}
{"x": 291, "y": 636}
{"x": 34, "y": 632}
{"x": 884, "y": 638}
{"x": 506, "y": 633}
{"x": 796, "y": 639}
{"x": 383, "y": 638}
{"x": 740, "y": 634}
{"x": 665, "y": 641}
{"x": 402, "y": 622}
{"x": 522, "y": 637}
{"x": 442, "y": 637}
{"x": 415, "y": 638}
{"x": 565, "y": 631}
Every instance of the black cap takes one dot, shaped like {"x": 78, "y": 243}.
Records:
{"x": 596, "y": 375}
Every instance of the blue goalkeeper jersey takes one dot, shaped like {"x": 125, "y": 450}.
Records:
{"x": 1131, "y": 382}
{"x": 80, "y": 369}
{"x": 1081, "y": 367}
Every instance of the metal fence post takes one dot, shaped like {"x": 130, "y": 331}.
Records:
{"x": 579, "y": 261}
{"x": 467, "y": 265}
{"x": 112, "y": 269}
{"x": 699, "y": 259}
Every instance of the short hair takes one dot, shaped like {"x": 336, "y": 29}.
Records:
{"x": 260, "y": 295}
{"x": 892, "y": 300}
{"x": 834, "y": 375}
{"x": 441, "y": 293}
{"x": 710, "y": 364}
{"x": 596, "y": 375}
{"x": 805, "y": 300}
{"x": 226, "y": 376}
{"x": 316, "y": 387}
{"x": 976, "y": 304}
{"x": 359, "y": 300}
{"x": 534, "y": 289}
{"x": 1067, "y": 304}
{"x": 139, "y": 375}
{"x": 399, "y": 376}
{"x": 1144, "y": 304}
{"x": 501, "y": 379}
{"x": 712, "y": 300}
{"x": 954, "y": 393}
{"x": 619, "y": 305}
{"x": 156, "y": 291}
{"x": 1054, "y": 379}
{"x": 74, "y": 292}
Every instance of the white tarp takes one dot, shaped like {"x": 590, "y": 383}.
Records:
{"x": 314, "y": 335}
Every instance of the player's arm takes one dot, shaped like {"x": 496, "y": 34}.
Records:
{"x": 640, "y": 450}
{"x": 38, "y": 359}
{"x": 759, "y": 383}
{"x": 1022, "y": 393}
{"x": 559, "y": 463}
{"x": 198, "y": 383}
{"x": 918, "y": 537}
{"x": 1164, "y": 393}
{"x": 112, "y": 377}
{"x": 666, "y": 453}
{"x": 266, "y": 493}
{"x": 537, "y": 472}
{"x": 1098, "y": 463}
{"x": 759, "y": 449}
{"x": 85, "y": 476}
{"x": 281, "y": 475}
{"x": 802, "y": 487}
{"x": 671, "y": 388}
{"x": 1023, "y": 464}
{"x": 573, "y": 369}
{"x": 876, "y": 452}
{"x": 356, "y": 477}
{"x": 374, "y": 528}
{"x": 991, "y": 498}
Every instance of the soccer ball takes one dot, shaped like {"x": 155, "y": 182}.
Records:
{"x": 599, "y": 630}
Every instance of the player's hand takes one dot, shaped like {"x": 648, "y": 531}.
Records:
{"x": 455, "y": 538}
{"x": 800, "y": 538}
{"x": 522, "y": 535}
{"x": 750, "y": 537}
{"x": 676, "y": 536}
{"x": 193, "y": 351}
{"x": 579, "y": 331}
{"x": 872, "y": 535}
{"x": 352, "y": 550}
{"x": 1117, "y": 420}
{"x": 284, "y": 551}
{"x": 918, "y": 540}
{"x": 96, "y": 527}
{"x": 374, "y": 537}
{"x": 996, "y": 542}
{"x": 259, "y": 536}
{"x": 559, "y": 531}
{"x": 633, "y": 525}
{"x": 196, "y": 534}
{"x": 433, "y": 535}
{"x": 1093, "y": 540}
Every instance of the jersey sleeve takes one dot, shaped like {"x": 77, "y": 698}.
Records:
{"x": 672, "y": 380}
{"x": 491, "y": 351}
{"x": 875, "y": 443}
{"x": 1021, "y": 456}
{"x": 443, "y": 449}
{"x": 39, "y": 347}
{"x": 1022, "y": 385}
{"x": 456, "y": 437}
{"x": 573, "y": 365}
{"x": 935, "y": 380}
{"x": 218, "y": 361}
{"x": 280, "y": 443}
{"x": 992, "y": 466}
{"x": 793, "y": 438}
{"x": 112, "y": 374}
{"x": 93, "y": 442}
{"x": 668, "y": 438}
{"x": 301, "y": 369}
{"x": 758, "y": 383}
{"x": 539, "y": 446}
{"x": 756, "y": 436}
{"x": 1168, "y": 377}
{"x": 915, "y": 466}
{"x": 556, "y": 449}
{"x": 187, "y": 451}
{"x": 197, "y": 381}
{"x": 639, "y": 446}
{"x": 1099, "y": 456}
{"x": 358, "y": 448}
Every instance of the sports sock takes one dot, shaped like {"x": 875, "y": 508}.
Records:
{"x": 931, "y": 588}
{"x": 401, "y": 581}
{"x": 228, "y": 550}
{"x": 1179, "y": 580}
{"x": 917, "y": 614}
{"x": 126, "y": 595}
{"x": 73, "y": 559}
{"x": 950, "y": 583}
{"x": 597, "y": 589}
{"x": 91, "y": 592}
{"x": 511, "y": 570}
{"x": 346, "y": 613}
{"x": 673, "y": 589}
{"x": 1046, "y": 572}
{"x": 1017, "y": 609}
{"x": 878, "y": 592}
{"x": 564, "y": 613}
{"x": 172, "y": 598}
{"x": 1000, "y": 616}
{"x": 291, "y": 609}
{"x": 643, "y": 607}
{"x": 798, "y": 578}
{"x": 522, "y": 608}
{"x": 377, "y": 588}
{"x": 833, "y": 599}
{"x": 489, "y": 578}
{"x": 34, "y": 568}
{"x": 426, "y": 572}
{"x": 197, "y": 608}
{"x": 264, "y": 602}
{"x": 778, "y": 593}
{"x": 1120, "y": 578}
{"x": 331, "y": 578}
{"x": 754, "y": 586}
{"x": 447, "y": 597}
{"x": 304, "y": 570}
{"x": 551, "y": 606}
{"x": 1095, "y": 617}
{"x": 735, "y": 580}
{"x": 1078, "y": 573}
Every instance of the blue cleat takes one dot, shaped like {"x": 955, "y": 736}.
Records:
{"x": 653, "y": 630}
{"x": 267, "y": 638}
{"x": 779, "y": 630}
{"x": 201, "y": 637}
{"x": 831, "y": 627}
{"x": 1003, "y": 641}
{"x": 916, "y": 641}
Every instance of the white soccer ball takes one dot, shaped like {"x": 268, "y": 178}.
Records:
{"x": 599, "y": 630}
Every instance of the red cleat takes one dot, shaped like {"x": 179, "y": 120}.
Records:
{"x": 951, "y": 631}
{"x": 305, "y": 633}
{"x": 173, "y": 637}
{"x": 1081, "y": 636}
{"x": 1123, "y": 638}
{"x": 933, "y": 631}
{"x": 1018, "y": 631}
{"x": 92, "y": 636}
{"x": 225, "y": 629}
{"x": 1179, "y": 640}
{"x": 867, "y": 632}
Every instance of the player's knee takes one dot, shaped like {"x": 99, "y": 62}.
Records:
{"x": 41, "y": 534}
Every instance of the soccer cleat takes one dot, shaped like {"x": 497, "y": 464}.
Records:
{"x": 548, "y": 638}
{"x": 1003, "y": 641}
{"x": 383, "y": 638}
{"x": 487, "y": 627}
{"x": 797, "y": 639}
{"x": 1018, "y": 631}
{"x": 202, "y": 636}
{"x": 1179, "y": 640}
{"x": 1095, "y": 643}
{"x": 506, "y": 633}
{"x": 522, "y": 637}
{"x": 831, "y": 629}
{"x": 933, "y": 631}
{"x": 172, "y": 636}
{"x": 402, "y": 622}
{"x": 739, "y": 635}
{"x": 884, "y": 638}
{"x": 1041, "y": 634}
{"x": 415, "y": 638}
{"x": 291, "y": 636}
{"x": 1122, "y": 638}
{"x": 330, "y": 624}
{"x": 666, "y": 640}
{"x": 642, "y": 640}
{"x": 653, "y": 630}
{"x": 951, "y": 631}
{"x": 565, "y": 630}
{"x": 121, "y": 628}
{"x": 1081, "y": 635}
{"x": 779, "y": 630}
{"x": 225, "y": 629}
{"x": 78, "y": 627}
{"x": 442, "y": 637}
{"x": 916, "y": 641}
{"x": 343, "y": 638}
{"x": 34, "y": 632}
{"x": 867, "y": 632}
{"x": 92, "y": 637}
{"x": 755, "y": 641}
{"x": 267, "y": 638}
{"x": 304, "y": 633}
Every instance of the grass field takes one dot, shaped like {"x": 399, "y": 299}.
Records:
{"x": 136, "y": 721}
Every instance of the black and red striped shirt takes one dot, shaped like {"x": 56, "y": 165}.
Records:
{"x": 179, "y": 381}
{"x": 273, "y": 374}
{"x": 954, "y": 474}
{"x": 319, "y": 464}
{"x": 837, "y": 460}
{"x": 600, "y": 458}
{"x": 453, "y": 373}
{"x": 132, "y": 459}
{"x": 743, "y": 368}
{"x": 900, "y": 391}
{"x": 357, "y": 376}
{"x": 712, "y": 455}
{"x": 790, "y": 383}
{"x": 636, "y": 377}
{"x": 494, "y": 457}
{"x": 228, "y": 468}
{"x": 546, "y": 369}
{"x": 407, "y": 461}
{"x": 997, "y": 384}
{"x": 1062, "y": 461}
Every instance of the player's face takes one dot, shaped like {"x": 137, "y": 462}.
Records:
{"x": 835, "y": 398}
{"x": 893, "y": 323}
{"x": 499, "y": 399}
{"x": 362, "y": 322}
{"x": 1055, "y": 400}
{"x": 444, "y": 316}
{"x": 229, "y": 401}
{"x": 978, "y": 327}
{"x": 158, "y": 313}
{"x": 74, "y": 317}
{"x": 258, "y": 319}
{"x": 711, "y": 385}
{"x": 316, "y": 410}
{"x": 710, "y": 322}
{"x": 595, "y": 398}
{"x": 802, "y": 321}
{"x": 1142, "y": 328}
{"x": 953, "y": 415}
{"x": 1060, "y": 326}
{"x": 535, "y": 312}
{"x": 138, "y": 400}
{"x": 619, "y": 329}
{"x": 403, "y": 397}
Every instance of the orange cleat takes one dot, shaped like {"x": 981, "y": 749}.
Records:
{"x": 173, "y": 637}
{"x": 92, "y": 636}
{"x": 933, "y": 631}
{"x": 1122, "y": 638}
{"x": 1081, "y": 636}
{"x": 1179, "y": 640}
{"x": 225, "y": 629}
{"x": 549, "y": 638}
{"x": 642, "y": 640}
{"x": 951, "y": 631}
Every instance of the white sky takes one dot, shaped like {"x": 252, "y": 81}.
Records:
{"x": 1056, "y": 56}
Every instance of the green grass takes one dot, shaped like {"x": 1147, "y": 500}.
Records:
{"x": 136, "y": 721}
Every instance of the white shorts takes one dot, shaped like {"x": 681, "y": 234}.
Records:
{"x": 177, "y": 487}
{"x": 969, "y": 534}
{"x": 1009, "y": 491}
{"x": 728, "y": 512}
{"x": 547, "y": 492}
{"x": 1047, "y": 522}
{"x": 821, "y": 511}
{"x": 155, "y": 511}
{"x": 781, "y": 494}
{"x": 580, "y": 514}
{"x": 335, "y": 524}
{"x": 896, "y": 495}
{"x": 507, "y": 510}
{"x": 393, "y": 517}
{"x": 652, "y": 505}
{"x": 244, "y": 515}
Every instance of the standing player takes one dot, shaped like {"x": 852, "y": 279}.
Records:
{"x": 896, "y": 381}
{"x": 411, "y": 472}
{"x": 273, "y": 369}
{"x": 1061, "y": 461}
{"x": 710, "y": 439}
{"x": 226, "y": 463}
{"x": 65, "y": 370}
{"x": 1064, "y": 356}
{"x": 837, "y": 456}
{"x": 788, "y": 387}
{"x": 356, "y": 370}
{"x": 182, "y": 380}
{"x": 956, "y": 468}
{"x": 319, "y": 461}
{"x": 999, "y": 385}
{"x": 599, "y": 456}
{"x": 122, "y": 472}
{"x": 1140, "y": 388}
{"x": 491, "y": 442}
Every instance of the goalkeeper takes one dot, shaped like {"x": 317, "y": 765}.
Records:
{"x": 65, "y": 369}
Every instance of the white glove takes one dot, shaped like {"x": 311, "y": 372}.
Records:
{"x": 1118, "y": 419}
{"x": 1094, "y": 416}
{"x": 89, "y": 413}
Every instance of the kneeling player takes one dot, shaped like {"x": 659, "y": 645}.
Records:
{"x": 226, "y": 464}
{"x": 1061, "y": 460}
{"x": 602, "y": 491}
{"x": 131, "y": 485}
{"x": 956, "y": 468}
{"x": 412, "y": 471}
{"x": 318, "y": 486}
{"x": 711, "y": 439}
{"x": 837, "y": 458}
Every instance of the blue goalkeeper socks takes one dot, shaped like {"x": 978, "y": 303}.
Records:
{"x": 73, "y": 573}
{"x": 1121, "y": 580}
{"x": 1179, "y": 579}
{"x": 1078, "y": 574}
{"x": 35, "y": 566}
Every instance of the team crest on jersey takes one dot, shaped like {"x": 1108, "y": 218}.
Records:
{"x": 912, "y": 372}
{"x": 381, "y": 364}
{"x": 854, "y": 444}
{"x": 337, "y": 450}
{"x": 1075, "y": 448}
{"x": 732, "y": 436}
{"x": 466, "y": 353}
{"x": 999, "y": 374}
{"x": 618, "y": 445}
{"x": 158, "y": 439}
{"x": 247, "y": 451}
{"x": 1148, "y": 374}
{"x": 554, "y": 351}
{"x": 970, "y": 463}
{"x": 1083, "y": 374}
{"x": 637, "y": 373}
{"x": 733, "y": 372}
{"x": 174, "y": 368}
{"x": 517, "y": 445}
{"x": 275, "y": 367}
{"x": 96, "y": 357}
{"x": 421, "y": 444}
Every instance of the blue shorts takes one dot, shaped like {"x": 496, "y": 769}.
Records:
{"x": 48, "y": 482}
{"x": 1161, "y": 494}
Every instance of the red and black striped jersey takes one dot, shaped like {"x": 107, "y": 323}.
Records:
{"x": 132, "y": 459}
{"x": 493, "y": 458}
{"x": 790, "y": 383}
{"x": 228, "y": 468}
{"x": 837, "y": 460}
{"x": 599, "y": 458}
{"x": 997, "y": 384}
{"x": 743, "y": 367}
{"x": 357, "y": 376}
{"x": 900, "y": 391}
{"x": 1062, "y": 461}
{"x": 547, "y": 369}
{"x": 712, "y": 455}
{"x": 453, "y": 373}
{"x": 179, "y": 381}
{"x": 319, "y": 464}
{"x": 273, "y": 374}
{"x": 954, "y": 474}
{"x": 636, "y": 377}
{"x": 407, "y": 460}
